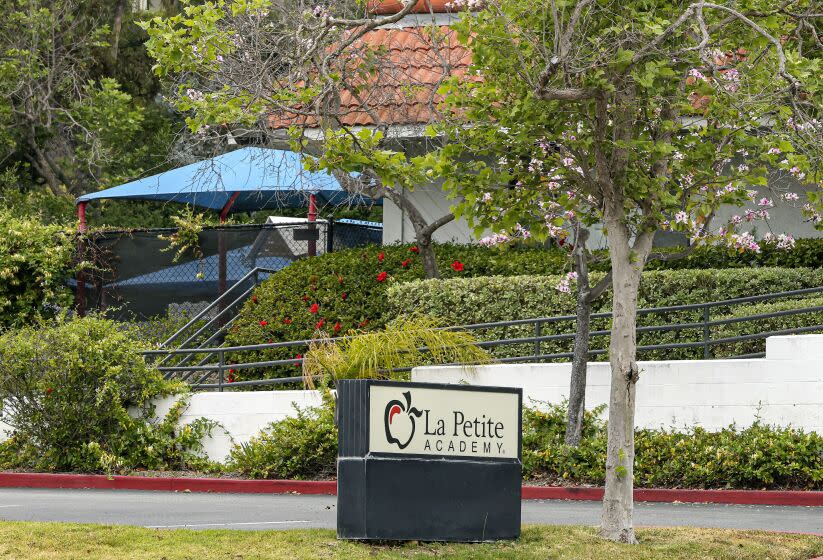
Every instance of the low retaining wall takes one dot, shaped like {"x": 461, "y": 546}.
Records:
{"x": 785, "y": 388}
{"x": 241, "y": 414}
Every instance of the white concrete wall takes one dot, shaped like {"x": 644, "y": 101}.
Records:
{"x": 241, "y": 414}
{"x": 432, "y": 202}
{"x": 785, "y": 388}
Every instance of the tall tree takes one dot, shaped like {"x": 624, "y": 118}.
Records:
{"x": 267, "y": 65}
{"x": 640, "y": 116}
{"x": 61, "y": 111}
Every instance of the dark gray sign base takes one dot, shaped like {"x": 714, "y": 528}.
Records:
{"x": 437, "y": 499}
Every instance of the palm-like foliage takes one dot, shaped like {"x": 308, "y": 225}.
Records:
{"x": 405, "y": 343}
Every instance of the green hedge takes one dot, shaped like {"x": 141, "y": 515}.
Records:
{"x": 756, "y": 457}
{"x": 807, "y": 319}
{"x": 759, "y": 456}
{"x": 807, "y": 253}
{"x": 300, "y": 447}
{"x": 479, "y": 300}
{"x": 348, "y": 293}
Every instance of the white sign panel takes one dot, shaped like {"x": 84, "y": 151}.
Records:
{"x": 452, "y": 422}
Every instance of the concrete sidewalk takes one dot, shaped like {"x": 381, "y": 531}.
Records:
{"x": 272, "y": 511}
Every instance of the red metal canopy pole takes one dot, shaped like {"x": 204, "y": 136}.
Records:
{"x": 221, "y": 246}
{"x": 312, "y": 250}
{"x": 80, "y": 291}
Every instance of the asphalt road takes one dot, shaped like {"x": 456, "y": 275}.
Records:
{"x": 271, "y": 511}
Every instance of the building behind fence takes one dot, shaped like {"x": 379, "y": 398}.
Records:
{"x": 136, "y": 274}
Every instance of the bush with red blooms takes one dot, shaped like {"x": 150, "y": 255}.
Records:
{"x": 346, "y": 290}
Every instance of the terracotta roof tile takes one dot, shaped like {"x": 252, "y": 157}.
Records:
{"x": 423, "y": 6}
{"x": 401, "y": 87}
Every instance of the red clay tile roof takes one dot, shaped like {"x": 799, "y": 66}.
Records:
{"x": 394, "y": 6}
{"x": 413, "y": 62}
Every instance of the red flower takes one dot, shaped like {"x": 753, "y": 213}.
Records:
{"x": 231, "y": 371}
{"x": 381, "y": 256}
{"x": 49, "y": 391}
{"x": 320, "y": 324}
{"x": 405, "y": 264}
{"x": 363, "y": 323}
{"x": 231, "y": 376}
{"x": 269, "y": 341}
{"x": 305, "y": 298}
{"x": 344, "y": 295}
{"x": 287, "y": 321}
{"x": 457, "y": 266}
{"x": 414, "y": 249}
{"x": 254, "y": 299}
{"x": 298, "y": 357}
{"x": 314, "y": 308}
{"x": 337, "y": 326}
{"x": 382, "y": 276}
{"x": 263, "y": 323}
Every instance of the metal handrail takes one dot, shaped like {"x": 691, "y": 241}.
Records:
{"x": 252, "y": 273}
{"x": 208, "y": 369}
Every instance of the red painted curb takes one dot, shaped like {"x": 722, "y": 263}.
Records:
{"x": 227, "y": 485}
{"x": 748, "y": 497}
{"x": 168, "y": 484}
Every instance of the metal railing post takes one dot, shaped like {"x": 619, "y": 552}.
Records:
{"x": 707, "y": 334}
{"x": 537, "y": 333}
{"x": 330, "y": 235}
{"x": 221, "y": 362}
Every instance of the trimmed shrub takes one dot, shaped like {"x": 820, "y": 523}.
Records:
{"x": 807, "y": 319}
{"x": 66, "y": 389}
{"x": 344, "y": 291}
{"x": 300, "y": 447}
{"x": 34, "y": 262}
{"x": 479, "y": 300}
{"x": 759, "y": 456}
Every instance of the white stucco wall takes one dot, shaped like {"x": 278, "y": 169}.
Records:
{"x": 785, "y": 388}
{"x": 432, "y": 201}
{"x": 241, "y": 414}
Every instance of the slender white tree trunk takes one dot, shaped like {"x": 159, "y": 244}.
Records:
{"x": 627, "y": 267}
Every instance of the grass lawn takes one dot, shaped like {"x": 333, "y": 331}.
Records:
{"x": 29, "y": 541}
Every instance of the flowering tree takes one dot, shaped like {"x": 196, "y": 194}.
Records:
{"x": 304, "y": 74}
{"x": 640, "y": 116}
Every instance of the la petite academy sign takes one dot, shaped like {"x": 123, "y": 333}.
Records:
{"x": 448, "y": 422}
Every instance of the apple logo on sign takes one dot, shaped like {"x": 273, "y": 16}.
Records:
{"x": 399, "y": 421}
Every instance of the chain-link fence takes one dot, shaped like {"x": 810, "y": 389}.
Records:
{"x": 136, "y": 275}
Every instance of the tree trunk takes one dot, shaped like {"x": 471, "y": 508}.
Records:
{"x": 577, "y": 387}
{"x": 117, "y": 27}
{"x": 427, "y": 256}
{"x": 627, "y": 266}
{"x": 580, "y": 359}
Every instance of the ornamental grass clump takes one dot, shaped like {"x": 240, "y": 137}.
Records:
{"x": 67, "y": 389}
{"x": 404, "y": 343}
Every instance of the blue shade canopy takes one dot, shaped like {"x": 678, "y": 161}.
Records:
{"x": 262, "y": 179}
